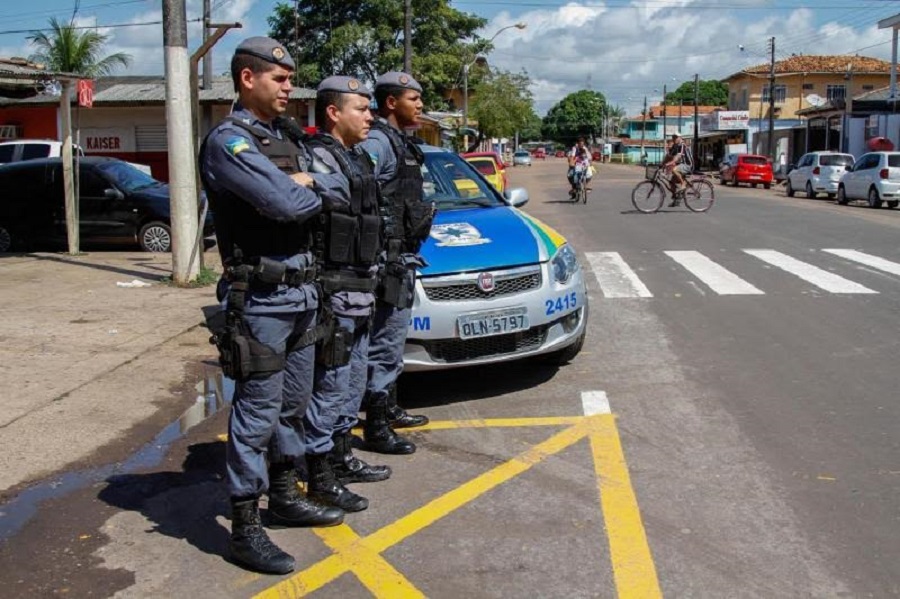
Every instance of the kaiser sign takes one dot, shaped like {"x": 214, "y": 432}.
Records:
{"x": 732, "y": 119}
{"x": 102, "y": 141}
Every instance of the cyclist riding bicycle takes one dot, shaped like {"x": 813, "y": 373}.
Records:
{"x": 679, "y": 164}
{"x": 579, "y": 166}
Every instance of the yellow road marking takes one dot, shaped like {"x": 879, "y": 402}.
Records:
{"x": 633, "y": 567}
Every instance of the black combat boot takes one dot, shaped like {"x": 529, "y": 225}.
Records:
{"x": 325, "y": 487}
{"x": 350, "y": 469}
{"x": 250, "y": 546}
{"x": 289, "y": 507}
{"x": 400, "y": 418}
{"x": 378, "y": 435}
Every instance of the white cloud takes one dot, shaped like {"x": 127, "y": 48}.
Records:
{"x": 627, "y": 52}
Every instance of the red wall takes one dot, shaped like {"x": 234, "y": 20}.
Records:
{"x": 36, "y": 122}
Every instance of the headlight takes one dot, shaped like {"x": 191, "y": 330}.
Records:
{"x": 565, "y": 264}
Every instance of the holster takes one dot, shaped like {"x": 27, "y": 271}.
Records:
{"x": 240, "y": 355}
{"x": 335, "y": 348}
{"x": 392, "y": 289}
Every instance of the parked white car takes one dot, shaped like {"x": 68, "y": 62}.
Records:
{"x": 818, "y": 172}
{"x": 31, "y": 149}
{"x": 875, "y": 177}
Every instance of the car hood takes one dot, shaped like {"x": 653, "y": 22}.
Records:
{"x": 486, "y": 239}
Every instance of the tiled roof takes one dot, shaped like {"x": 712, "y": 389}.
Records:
{"x": 19, "y": 68}
{"x": 821, "y": 64}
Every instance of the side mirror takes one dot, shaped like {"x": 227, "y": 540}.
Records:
{"x": 113, "y": 194}
{"x": 849, "y": 167}
{"x": 516, "y": 197}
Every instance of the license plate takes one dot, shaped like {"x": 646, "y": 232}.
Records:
{"x": 498, "y": 322}
{"x": 755, "y": 176}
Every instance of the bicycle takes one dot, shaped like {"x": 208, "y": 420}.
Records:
{"x": 580, "y": 186}
{"x": 649, "y": 196}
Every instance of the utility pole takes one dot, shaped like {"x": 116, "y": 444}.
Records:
{"x": 207, "y": 60}
{"x": 770, "y": 142}
{"x": 407, "y": 36}
{"x": 695, "y": 147}
{"x": 71, "y": 200}
{"x": 643, "y": 128}
{"x": 664, "y": 117}
{"x": 180, "y": 139}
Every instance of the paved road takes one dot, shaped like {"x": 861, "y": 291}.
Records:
{"x": 746, "y": 356}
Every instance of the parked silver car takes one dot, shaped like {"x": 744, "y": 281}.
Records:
{"x": 818, "y": 172}
{"x": 521, "y": 158}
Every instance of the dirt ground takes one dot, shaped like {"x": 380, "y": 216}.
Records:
{"x": 88, "y": 357}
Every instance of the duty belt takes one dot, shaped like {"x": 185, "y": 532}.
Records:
{"x": 268, "y": 272}
{"x": 332, "y": 282}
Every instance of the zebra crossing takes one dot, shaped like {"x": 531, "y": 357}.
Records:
{"x": 617, "y": 279}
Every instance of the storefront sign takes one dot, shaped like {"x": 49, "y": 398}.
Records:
{"x": 101, "y": 141}
{"x": 732, "y": 119}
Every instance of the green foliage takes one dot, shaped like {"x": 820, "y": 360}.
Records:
{"x": 502, "y": 104}
{"x": 69, "y": 50}
{"x": 579, "y": 113}
{"x": 364, "y": 38}
{"x": 710, "y": 93}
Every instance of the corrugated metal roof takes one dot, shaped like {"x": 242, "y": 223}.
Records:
{"x": 152, "y": 90}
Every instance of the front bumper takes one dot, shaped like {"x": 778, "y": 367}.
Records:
{"x": 557, "y": 314}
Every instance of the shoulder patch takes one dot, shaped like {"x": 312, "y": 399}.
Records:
{"x": 236, "y": 144}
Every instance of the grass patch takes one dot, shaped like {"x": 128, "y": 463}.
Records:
{"x": 206, "y": 277}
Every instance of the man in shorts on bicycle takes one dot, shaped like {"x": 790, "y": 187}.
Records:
{"x": 678, "y": 164}
{"x": 579, "y": 161}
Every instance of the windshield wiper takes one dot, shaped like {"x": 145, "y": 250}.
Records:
{"x": 486, "y": 202}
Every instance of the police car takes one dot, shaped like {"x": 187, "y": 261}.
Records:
{"x": 499, "y": 284}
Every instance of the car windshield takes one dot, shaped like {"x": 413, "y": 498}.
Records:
{"x": 484, "y": 166}
{"x": 754, "y": 160}
{"x": 521, "y": 154}
{"x": 451, "y": 182}
{"x": 893, "y": 159}
{"x": 126, "y": 177}
{"x": 835, "y": 160}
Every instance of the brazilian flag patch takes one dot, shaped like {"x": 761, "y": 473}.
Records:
{"x": 235, "y": 145}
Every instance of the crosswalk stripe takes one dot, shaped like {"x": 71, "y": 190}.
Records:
{"x": 868, "y": 260}
{"x": 615, "y": 277}
{"x": 715, "y": 276}
{"x": 809, "y": 273}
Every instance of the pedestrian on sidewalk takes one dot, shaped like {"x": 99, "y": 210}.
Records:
{"x": 262, "y": 202}
{"x": 398, "y": 161}
{"x": 348, "y": 242}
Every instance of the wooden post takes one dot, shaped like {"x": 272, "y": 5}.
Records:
{"x": 71, "y": 201}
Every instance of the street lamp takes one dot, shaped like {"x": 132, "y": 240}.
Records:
{"x": 480, "y": 59}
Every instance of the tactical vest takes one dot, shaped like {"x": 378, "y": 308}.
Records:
{"x": 349, "y": 235}
{"x": 409, "y": 216}
{"x": 240, "y": 229}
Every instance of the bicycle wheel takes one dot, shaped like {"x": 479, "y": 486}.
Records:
{"x": 648, "y": 197}
{"x": 699, "y": 196}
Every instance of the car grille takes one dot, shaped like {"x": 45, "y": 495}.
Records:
{"x": 459, "y": 350}
{"x": 468, "y": 290}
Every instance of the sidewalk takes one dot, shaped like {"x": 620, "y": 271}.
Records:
{"x": 83, "y": 360}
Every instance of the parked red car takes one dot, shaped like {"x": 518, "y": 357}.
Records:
{"x": 539, "y": 153}
{"x": 746, "y": 168}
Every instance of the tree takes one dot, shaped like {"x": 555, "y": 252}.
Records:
{"x": 69, "y": 50}
{"x": 711, "y": 93}
{"x": 501, "y": 104}
{"x": 578, "y": 114}
{"x": 364, "y": 38}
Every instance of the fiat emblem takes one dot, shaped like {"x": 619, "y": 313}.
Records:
{"x": 485, "y": 282}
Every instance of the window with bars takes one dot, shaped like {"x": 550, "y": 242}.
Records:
{"x": 780, "y": 93}
{"x": 836, "y": 92}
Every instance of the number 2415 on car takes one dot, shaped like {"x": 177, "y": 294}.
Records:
{"x": 561, "y": 304}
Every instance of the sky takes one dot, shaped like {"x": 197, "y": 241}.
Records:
{"x": 625, "y": 49}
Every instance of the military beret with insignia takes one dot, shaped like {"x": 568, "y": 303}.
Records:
{"x": 344, "y": 85}
{"x": 267, "y": 49}
{"x": 398, "y": 79}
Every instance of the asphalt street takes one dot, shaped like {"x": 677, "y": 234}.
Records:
{"x": 729, "y": 430}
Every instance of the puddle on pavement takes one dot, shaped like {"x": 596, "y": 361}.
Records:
{"x": 213, "y": 395}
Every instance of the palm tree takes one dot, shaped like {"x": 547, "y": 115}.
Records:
{"x": 65, "y": 49}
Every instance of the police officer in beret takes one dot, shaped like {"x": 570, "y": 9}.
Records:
{"x": 347, "y": 246}
{"x": 263, "y": 205}
{"x": 398, "y": 163}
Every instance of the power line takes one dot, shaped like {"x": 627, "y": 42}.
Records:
{"x": 115, "y": 26}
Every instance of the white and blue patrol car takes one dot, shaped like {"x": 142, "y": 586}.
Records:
{"x": 499, "y": 285}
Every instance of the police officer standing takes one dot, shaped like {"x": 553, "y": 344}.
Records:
{"x": 262, "y": 205}
{"x": 398, "y": 168}
{"x": 347, "y": 245}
